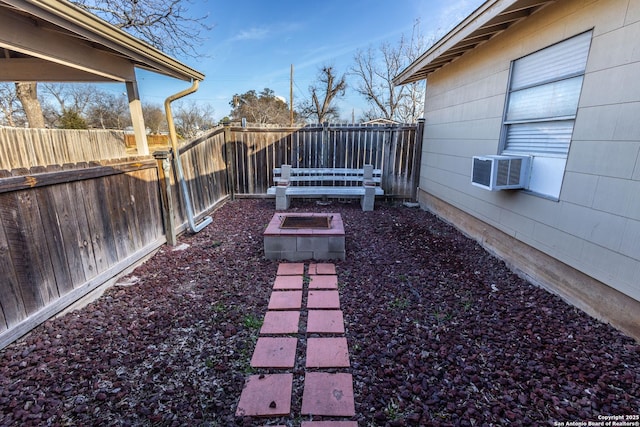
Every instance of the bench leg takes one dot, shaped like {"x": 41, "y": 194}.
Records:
{"x": 367, "y": 201}
{"x": 282, "y": 200}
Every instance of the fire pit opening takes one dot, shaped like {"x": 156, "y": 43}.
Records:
{"x": 319, "y": 222}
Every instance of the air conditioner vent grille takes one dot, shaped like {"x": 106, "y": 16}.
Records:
{"x": 509, "y": 172}
{"x": 482, "y": 171}
{"x": 495, "y": 172}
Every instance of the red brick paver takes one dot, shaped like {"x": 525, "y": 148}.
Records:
{"x": 290, "y": 269}
{"x": 328, "y": 394}
{"x": 285, "y": 300}
{"x": 329, "y": 281}
{"x": 323, "y": 299}
{"x": 274, "y": 352}
{"x": 280, "y": 322}
{"x": 322, "y": 268}
{"x": 266, "y": 395}
{"x": 327, "y": 353}
{"x": 288, "y": 282}
{"x": 325, "y": 321}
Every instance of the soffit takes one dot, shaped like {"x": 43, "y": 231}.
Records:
{"x": 58, "y": 32}
{"x": 490, "y": 19}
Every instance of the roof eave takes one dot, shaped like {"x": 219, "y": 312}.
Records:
{"x": 89, "y": 26}
{"x": 488, "y": 20}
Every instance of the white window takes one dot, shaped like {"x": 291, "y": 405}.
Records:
{"x": 544, "y": 91}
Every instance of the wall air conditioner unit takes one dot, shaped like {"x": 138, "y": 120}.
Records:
{"x": 493, "y": 172}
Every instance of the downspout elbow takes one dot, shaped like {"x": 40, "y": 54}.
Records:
{"x": 176, "y": 158}
{"x": 167, "y": 107}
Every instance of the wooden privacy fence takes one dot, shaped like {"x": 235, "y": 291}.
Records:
{"x": 237, "y": 161}
{"x": 395, "y": 149}
{"x": 64, "y": 231}
{"x": 25, "y": 148}
{"x": 205, "y": 171}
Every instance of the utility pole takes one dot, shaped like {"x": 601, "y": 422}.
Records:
{"x": 291, "y": 98}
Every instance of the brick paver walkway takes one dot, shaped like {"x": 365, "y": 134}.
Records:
{"x": 328, "y": 387}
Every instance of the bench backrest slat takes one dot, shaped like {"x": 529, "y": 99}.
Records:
{"x": 337, "y": 177}
{"x": 307, "y": 178}
{"x": 326, "y": 172}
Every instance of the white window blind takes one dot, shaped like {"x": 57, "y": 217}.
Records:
{"x": 565, "y": 59}
{"x": 543, "y": 98}
{"x": 543, "y": 138}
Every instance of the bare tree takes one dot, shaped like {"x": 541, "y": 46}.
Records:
{"x": 77, "y": 97}
{"x": 328, "y": 88}
{"x": 376, "y": 68}
{"x": 411, "y": 108}
{"x": 11, "y": 110}
{"x": 109, "y": 111}
{"x": 154, "y": 118}
{"x": 192, "y": 118}
{"x": 67, "y": 103}
{"x": 63, "y": 98}
{"x": 165, "y": 24}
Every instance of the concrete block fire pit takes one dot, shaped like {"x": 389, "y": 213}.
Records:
{"x": 304, "y": 236}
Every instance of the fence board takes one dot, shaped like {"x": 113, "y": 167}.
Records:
{"x": 74, "y": 225}
{"x": 26, "y": 237}
{"x": 13, "y": 309}
{"x": 52, "y": 213}
{"x": 135, "y": 185}
{"x": 120, "y": 214}
{"x": 99, "y": 210}
{"x": 83, "y": 195}
{"x": 147, "y": 196}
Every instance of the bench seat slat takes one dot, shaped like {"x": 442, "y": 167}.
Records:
{"x": 277, "y": 172}
{"x": 325, "y": 191}
{"x": 326, "y": 171}
{"x": 327, "y": 178}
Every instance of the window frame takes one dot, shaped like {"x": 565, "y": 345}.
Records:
{"x": 571, "y": 118}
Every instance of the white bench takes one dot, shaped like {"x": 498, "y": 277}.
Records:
{"x": 326, "y": 182}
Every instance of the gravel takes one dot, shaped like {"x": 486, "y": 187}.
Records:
{"x": 440, "y": 333}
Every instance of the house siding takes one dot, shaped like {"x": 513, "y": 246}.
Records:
{"x": 594, "y": 227}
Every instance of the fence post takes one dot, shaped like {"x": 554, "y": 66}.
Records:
{"x": 324, "y": 159}
{"x": 389, "y": 145}
{"x": 164, "y": 172}
{"x": 231, "y": 170}
{"x": 417, "y": 159}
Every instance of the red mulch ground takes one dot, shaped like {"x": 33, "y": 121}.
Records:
{"x": 439, "y": 331}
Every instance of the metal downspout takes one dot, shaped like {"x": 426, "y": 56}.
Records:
{"x": 176, "y": 158}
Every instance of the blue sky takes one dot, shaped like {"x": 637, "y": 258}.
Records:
{"x": 252, "y": 44}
